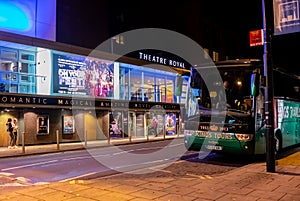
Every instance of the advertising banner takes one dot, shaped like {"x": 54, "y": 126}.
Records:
{"x": 256, "y": 38}
{"x": 42, "y": 125}
{"x": 68, "y": 124}
{"x": 170, "y": 121}
{"x": 115, "y": 125}
{"x": 82, "y": 76}
{"x": 286, "y": 16}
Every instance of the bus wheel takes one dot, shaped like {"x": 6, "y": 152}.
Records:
{"x": 278, "y": 142}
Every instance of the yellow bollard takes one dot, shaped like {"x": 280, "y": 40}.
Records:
{"x": 57, "y": 139}
{"x": 23, "y": 142}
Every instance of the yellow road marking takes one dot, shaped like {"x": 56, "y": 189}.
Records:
{"x": 293, "y": 159}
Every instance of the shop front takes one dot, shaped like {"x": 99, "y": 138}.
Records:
{"x": 41, "y": 118}
{"x": 52, "y": 88}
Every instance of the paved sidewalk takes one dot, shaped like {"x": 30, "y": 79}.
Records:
{"x": 250, "y": 182}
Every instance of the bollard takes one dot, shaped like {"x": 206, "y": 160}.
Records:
{"x": 108, "y": 139}
{"x": 85, "y": 138}
{"x": 57, "y": 139}
{"x": 147, "y": 135}
{"x": 129, "y": 134}
{"x": 23, "y": 142}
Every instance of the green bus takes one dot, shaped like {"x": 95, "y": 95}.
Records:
{"x": 235, "y": 123}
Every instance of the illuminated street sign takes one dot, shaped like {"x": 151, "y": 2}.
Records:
{"x": 256, "y": 38}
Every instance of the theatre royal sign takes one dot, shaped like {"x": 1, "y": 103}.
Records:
{"x": 161, "y": 60}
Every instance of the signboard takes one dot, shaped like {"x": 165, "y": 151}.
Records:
{"x": 256, "y": 38}
{"x": 69, "y": 77}
{"x": 288, "y": 114}
{"x": 286, "y": 16}
{"x": 29, "y": 101}
{"x": 78, "y": 75}
{"x": 161, "y": 58}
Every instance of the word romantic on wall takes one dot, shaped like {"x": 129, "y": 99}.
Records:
{"x": 61, "y": 102}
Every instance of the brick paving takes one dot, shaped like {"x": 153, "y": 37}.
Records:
{"x": 250, "y": 182}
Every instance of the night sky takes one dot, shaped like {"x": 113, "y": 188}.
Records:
{"x": 89, "y": 22}
{"x": 91, "y": 17}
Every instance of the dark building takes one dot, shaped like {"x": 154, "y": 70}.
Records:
{"x": 60, "y": 88}
{"x": 221, "y": 28}
{"x": 51, "y": 83}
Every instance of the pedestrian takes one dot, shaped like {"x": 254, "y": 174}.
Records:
{"x": 9, "y": 129}
{"x": 15, "y": 132}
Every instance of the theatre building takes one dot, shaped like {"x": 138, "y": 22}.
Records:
{"x": 53, "y": 88}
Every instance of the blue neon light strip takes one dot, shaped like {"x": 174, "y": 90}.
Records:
{"x": 13, "y": 17}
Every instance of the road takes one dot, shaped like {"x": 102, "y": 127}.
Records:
{"x": 97, "y": 162}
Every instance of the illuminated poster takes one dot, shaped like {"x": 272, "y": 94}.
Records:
{"x": 82, "y": 76}
{"x": 69, "y": 75}
{"x": 115, "y": 125}
{"x": 43, "y": 125}
{"x": 68, "y": 124}
{"x": 170, "y": 124}
{"x": 256, "y": 37}
{"x": 192, "y": 104}
{"x": 99, "y": 78}
{"x": 286, "y": 16}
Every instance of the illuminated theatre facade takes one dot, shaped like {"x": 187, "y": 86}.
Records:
{"x": 52, "y": 87}
{"x": 55, "y": 89}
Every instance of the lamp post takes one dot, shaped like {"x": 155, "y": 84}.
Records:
{"x": 112, "y": 40}
{"x": 267, "y": 9}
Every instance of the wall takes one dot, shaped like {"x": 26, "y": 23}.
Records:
{"x": 96, "y": 125}
{"x": 55, "y": 123}
{"x": 43, "y": 68}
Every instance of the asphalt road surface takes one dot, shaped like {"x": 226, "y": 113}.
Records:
{"x": 144, "y": 158}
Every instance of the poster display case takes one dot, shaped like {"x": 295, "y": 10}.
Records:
{"x": 115, "y": 124}
{"x": 68, "y": 125}
{"x": 170, "y": 123}
{"x": 42, "y": 125}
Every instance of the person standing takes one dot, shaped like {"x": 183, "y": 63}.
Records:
{"x": 15, "y": 132}
{"x": 9, "y": 129}
{"x": 229, "y": 95}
